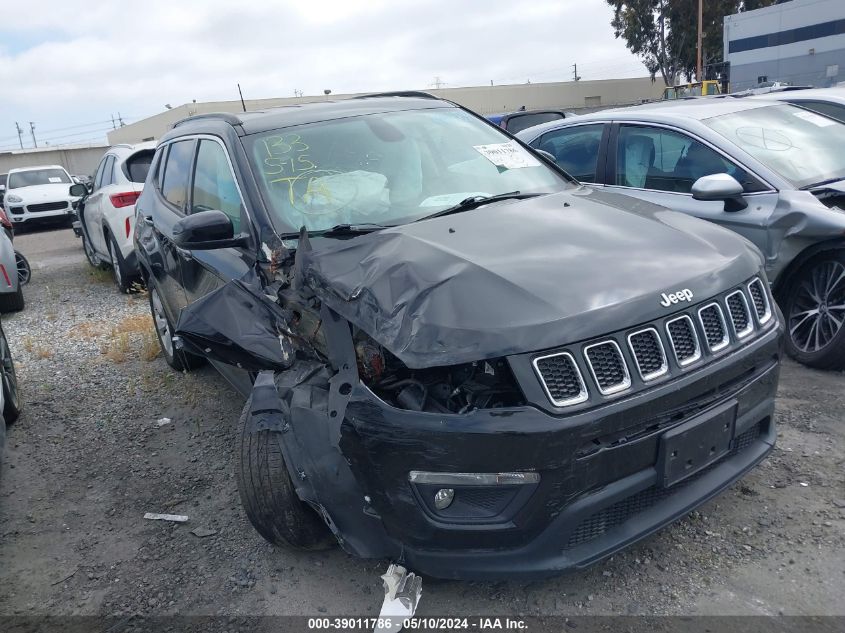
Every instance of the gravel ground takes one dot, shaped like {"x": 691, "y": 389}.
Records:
{"x": 87, "y": 459}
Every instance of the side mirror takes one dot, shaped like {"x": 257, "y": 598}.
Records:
{"x": 547, "y": 155}
{"x": 78, "y": 190}
{"x": 206, "y": 230}
{"x": 720, "y": 187}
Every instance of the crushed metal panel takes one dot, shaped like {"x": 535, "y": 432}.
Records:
{"x": 238, "y": 325}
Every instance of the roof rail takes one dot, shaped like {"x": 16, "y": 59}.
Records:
{"x": 229, "y": 118}
{"x": 400, "y": 93}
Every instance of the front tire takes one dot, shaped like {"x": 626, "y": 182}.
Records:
{"x": 9, "y": 379}
{"x": 178, "y": 359}
{"x": 268, "y": 495}
{"x": 814, "y": 307}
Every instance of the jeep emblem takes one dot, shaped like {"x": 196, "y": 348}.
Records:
{"x": 675, "y": 297}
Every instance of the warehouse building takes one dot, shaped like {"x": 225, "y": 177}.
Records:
{"x": 801, "y": 42}
{"x": 569, "y": 95}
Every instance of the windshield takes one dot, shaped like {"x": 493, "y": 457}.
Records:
{"x": 388, "y": 168}
{"x": 803, "y": 147}
{"x": 37, "y": 177}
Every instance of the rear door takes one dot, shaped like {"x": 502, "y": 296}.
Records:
{"x": 93, "y": 213}
{"x": 660, "y": 164}
{"x": 577, "y": 149}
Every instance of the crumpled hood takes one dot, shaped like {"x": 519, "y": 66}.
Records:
{"x": 42, "y": 193}
{"x": 521, "y": 276}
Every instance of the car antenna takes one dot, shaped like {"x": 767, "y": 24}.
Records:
{"x": 243, "y": 105}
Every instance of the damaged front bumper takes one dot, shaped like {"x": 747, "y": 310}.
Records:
{"x": 351, "y": 456}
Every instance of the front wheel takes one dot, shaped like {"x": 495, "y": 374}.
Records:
{"x": 815, "y": 313}
{"x": 268, "y": 495}
{"x": 178, "y": 359}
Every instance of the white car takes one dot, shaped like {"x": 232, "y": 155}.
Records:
{"x": 39, "y": 194}
{"x": 107, "y": 215}
{"x": 11, "y": 290}
{"x": 827, "y": 101}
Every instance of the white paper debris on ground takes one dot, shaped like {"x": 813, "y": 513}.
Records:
{"x": 804, "y": 484}
{"x": 163, "y": 421}
{"x": 402, "y": 593}
{"x": 176, "y": 518}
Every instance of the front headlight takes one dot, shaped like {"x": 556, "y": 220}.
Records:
{"x": 13, "y": 198}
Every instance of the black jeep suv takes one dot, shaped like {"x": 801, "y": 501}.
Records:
{"x": 453, "y": 355}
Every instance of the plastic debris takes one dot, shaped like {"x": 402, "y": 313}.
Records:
{"x": 804, "y": 484}
{"x": 176, "y": 518}
{"x": 163, "y": 421}
{"x": 202, "y": 532}
{"x": 402, "y": 593}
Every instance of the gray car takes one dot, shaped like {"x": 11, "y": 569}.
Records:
{"x": 827, "y": 101}
{"x": 773, "y": 172}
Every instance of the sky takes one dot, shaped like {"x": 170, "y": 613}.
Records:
{"x": 69, "y": 66}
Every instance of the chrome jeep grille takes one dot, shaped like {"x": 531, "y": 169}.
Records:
{"x": 760, "y": 300}
{"x": 714, "y": 326}
{"x": 740, "y": 317}
{"x": 607, "y": 366}
{"x": 684, "y": 340}
{"x": 649, "y": 354}
{"x": 561, "y": 379}
{"x": 658, "y": 350}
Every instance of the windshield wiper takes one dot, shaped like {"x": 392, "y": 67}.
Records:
{"x": 476, "y": 201}
{"x": 340, "y": 230}
{"x": 822, "y": 184}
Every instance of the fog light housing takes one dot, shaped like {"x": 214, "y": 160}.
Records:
{"x": 443, "y": 498}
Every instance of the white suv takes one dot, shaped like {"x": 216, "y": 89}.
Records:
{"x": 107, "y": 215}
{"x": 39, "y": 194}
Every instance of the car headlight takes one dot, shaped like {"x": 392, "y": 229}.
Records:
{"x": 13, "y": 198}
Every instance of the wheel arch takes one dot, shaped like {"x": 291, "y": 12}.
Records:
{"x": 784, "y": 280}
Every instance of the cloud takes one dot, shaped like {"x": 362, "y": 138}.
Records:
{"x": 71, "y": 62}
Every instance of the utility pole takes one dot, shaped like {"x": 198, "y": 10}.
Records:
{"x": 20, "y": 131}
{"x": 437, "y": 82}
{"x": 113, "y": 126}
{"x": 575, "y": 72}
{"x": 32, "y": 131}
{"x": 698, "y": 54}
{"x": 120, "y": 118}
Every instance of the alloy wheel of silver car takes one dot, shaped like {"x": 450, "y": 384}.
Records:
{"x": 162, "y": 326}
{"x": 818, "y": 310}
{"x": 24, "y": 271}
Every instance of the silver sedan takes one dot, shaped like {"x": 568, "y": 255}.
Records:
{"x": 773, "y": 172}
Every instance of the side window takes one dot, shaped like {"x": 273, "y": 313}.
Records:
{"x": 663, "y": 160}
{"x": 108, "y": 172}
{"x": 214, "y": 184}
{"x": 174, "y": 180}
{"x": 576, "y": 149}
{"x": 98, "y": 178}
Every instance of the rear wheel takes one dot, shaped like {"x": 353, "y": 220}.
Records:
{"x": 9, "y": 379}
{"x": 815, "y": 313}
{"x": 126, "y": 282}
{"x": 178, "y": 359}
{"x": 24, "y": 271}
{"x": 268, "y": 495}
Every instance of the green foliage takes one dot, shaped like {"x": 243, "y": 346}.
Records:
{"x": 663, "y": 33}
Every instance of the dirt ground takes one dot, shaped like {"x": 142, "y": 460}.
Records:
{"x": 88, "y": 458}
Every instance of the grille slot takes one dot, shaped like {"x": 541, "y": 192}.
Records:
{"x": 684, "y": 340}
{"x": 561, "y": 379}
{"x": 760, "y": 300}
{"x": 608, "y": 367}
{"x": 46, "y": 206}
{"x": 740, "y": 316}
{"x": 715, "y": 329}
{"x": 648, "y": 352}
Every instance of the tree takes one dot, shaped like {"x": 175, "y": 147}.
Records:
{"x": 664, "y": 33}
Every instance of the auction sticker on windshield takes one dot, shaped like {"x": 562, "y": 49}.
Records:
{"x": 507, "y": 155}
